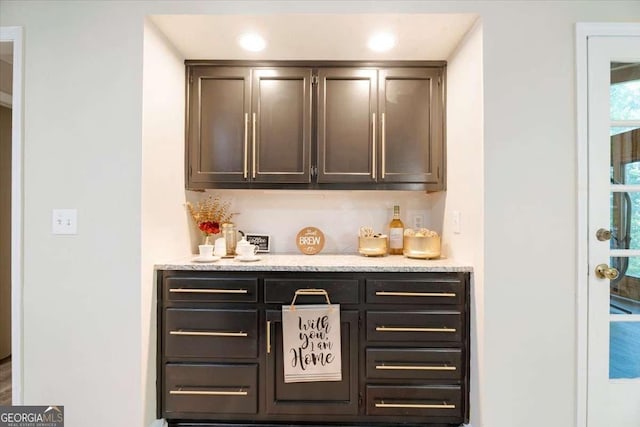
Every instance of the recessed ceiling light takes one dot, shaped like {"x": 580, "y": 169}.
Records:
{"x": 252, "y": 42}
{"x": 381, "y": 42}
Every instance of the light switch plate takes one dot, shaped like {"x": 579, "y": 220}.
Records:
{"x": 64, "y": 221}
{"x": 457, "y": 227}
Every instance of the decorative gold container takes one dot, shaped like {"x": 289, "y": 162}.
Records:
{"x": 421, "y": 247}
{"x": 373, "y": 246}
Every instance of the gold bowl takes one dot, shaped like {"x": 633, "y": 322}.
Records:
{"x": 373, "y": 246}
{"x": 421, "y": 247}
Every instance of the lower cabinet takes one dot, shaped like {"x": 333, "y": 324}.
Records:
{"x": 404, "y": 349}
{"x": 321, "y": 398}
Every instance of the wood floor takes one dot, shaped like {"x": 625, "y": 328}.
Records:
{"x": 5, "y": 382}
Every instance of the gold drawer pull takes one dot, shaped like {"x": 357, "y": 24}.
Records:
{"x": 208, "y": 393}
{"x": 415, "y": 294}
{"x": 443, "y": 405}
{"x": 208, "y": 291}
{"x": 415, "y": 368}
{"x": 399, "y": 329}
{"x": 208, "y": 333}
{"x": 268, "y": 336}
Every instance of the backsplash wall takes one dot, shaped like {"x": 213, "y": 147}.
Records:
{"x": 339, "y": 214}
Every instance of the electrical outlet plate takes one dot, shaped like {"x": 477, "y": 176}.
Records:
{"x": 415, "y": 219}
{"x": 64, "y": 221}
{"x": 457, "y": 228}
{"x": 418, "y": 221}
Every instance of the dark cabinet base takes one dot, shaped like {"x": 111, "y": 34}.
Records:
{"x": 368, "y": 423}
{"x": 404, "y": 349}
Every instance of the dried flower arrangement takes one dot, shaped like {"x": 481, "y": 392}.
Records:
{"x": 209, "y": 214}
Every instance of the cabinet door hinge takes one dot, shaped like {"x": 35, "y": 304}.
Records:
{"x": 314, "y": 80}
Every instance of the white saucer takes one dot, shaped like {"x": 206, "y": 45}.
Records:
{"x": 248, "y": 259}
{"x": 207, "y": 259}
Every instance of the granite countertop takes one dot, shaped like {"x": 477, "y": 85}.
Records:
{"x": 299, "y": 262}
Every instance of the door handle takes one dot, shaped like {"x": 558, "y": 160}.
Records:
{"x": 603, "y": 271}
{"x": 603, "y": 234}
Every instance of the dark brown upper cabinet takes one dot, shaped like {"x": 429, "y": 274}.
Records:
{"x": 380, "y": 126}
{"x": 347, "y": 100}
{"x": 248, "y": 125}
{"x": 410, "y": 109}
{"x": 350, "y": 125}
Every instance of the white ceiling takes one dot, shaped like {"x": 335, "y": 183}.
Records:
{"x": 316, "y": 36}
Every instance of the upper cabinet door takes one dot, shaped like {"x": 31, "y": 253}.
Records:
{"x": 281, "y": 125}
{"x": 218, "y": 125}
{"x": 347, "y": 125}
{"x": 410, "y": 106}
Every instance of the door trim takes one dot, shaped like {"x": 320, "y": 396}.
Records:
{"x": 583, "y": 32}
{"x": 15, "y": 35}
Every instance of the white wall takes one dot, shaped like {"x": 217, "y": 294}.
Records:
{"x": 83, "y": 148}
{"x": 164, "y": 220}
{"x": 339, "y": 214}
{"x": 465, "y": 188}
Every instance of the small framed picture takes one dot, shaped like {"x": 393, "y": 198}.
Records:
{"x": 262, "y": 241}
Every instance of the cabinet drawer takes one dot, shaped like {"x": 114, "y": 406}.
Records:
{"x": 440, "y": 289}
{"x": 424, "y": 401}
{"x": 414, "y": 363}
{"x": 281, "y": 291}
{"x": 208, "y": 289}
{"x": 211, "y": 333}
{"x": 414, "y": 326}
{"x": 227, "y": 389}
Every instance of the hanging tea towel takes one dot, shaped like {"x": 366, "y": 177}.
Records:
{"x": 311, "y": 340}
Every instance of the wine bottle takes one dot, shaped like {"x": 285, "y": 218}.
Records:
{"x": 396, "y": 233}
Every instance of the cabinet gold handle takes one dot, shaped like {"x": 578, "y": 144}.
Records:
{"x": 415, "y": 294}
{"x": 208, "y": 393}
{"x": 246, "y": 144}
{"x": 373, "y": 145}
{"x": 208, "y": 291}
{"x": 415, "y": 405}
{"x": 382, "y": 137}
{"x": 208, "y": 334}
{"x": 253, "y": 146}
{"x": 415, "y": 368}
{"x": 407, "y": 329}
{"x": 268, "y": 336}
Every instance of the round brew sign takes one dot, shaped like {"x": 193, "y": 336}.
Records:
{"x": 310, "y": 240}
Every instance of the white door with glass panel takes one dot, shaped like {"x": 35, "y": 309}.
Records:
{"x": 613, "y": 384}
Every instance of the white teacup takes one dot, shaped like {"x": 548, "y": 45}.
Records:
{"x": 206, "y": 251}
{"x": 246, "y": 251}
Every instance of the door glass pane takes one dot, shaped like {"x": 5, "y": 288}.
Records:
{"x": 625, "y": 91}
{"x": 625, "y": 220}
{"x": 624, "y": 350}
{"x": 625, "y": 290}
{"x": 624, "y": 337}
{"x": 625, "y": 156}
